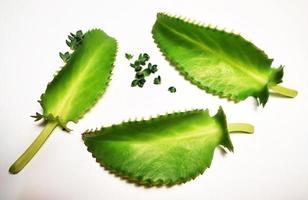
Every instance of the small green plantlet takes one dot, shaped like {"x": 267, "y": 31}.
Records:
{"x": 143, "y": 58}
{"x": 134, "y": 83}
{"x": 76, "y": 87}
{"x": 141, "y": 82}
{"x": 172, "y": 89}
{"x": 166, "y": 150}
{"x": 37, "y": 116}
{"x": 75, "y": 40}
{"x": 157, "y": 80}
{"x": 136, "y": 63}
{"x": 128, "y": 56}
{"x": 152, "y": 68}
{"x": 146, "y": 72}
{"x": 138, "y": 68}
{"x": 221, "y": 63}
{"x": 65, "y": 56}
{"x": 139, "y": 75}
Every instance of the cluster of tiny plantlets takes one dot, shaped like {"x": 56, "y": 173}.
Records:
{"x": 141, "y": 74}
{"x": 74, "y": 41}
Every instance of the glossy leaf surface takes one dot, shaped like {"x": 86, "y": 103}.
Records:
{"x": 167, "y": 150}
{"x": 219, "y": 62}
{"x": 81, "y": 82}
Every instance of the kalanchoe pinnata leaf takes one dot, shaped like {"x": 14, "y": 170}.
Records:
{"x": 221, "y": 63}
{"x": 76, "y": 88}
{"x": 167, "y": 150}
{"x": 83, "y": 80}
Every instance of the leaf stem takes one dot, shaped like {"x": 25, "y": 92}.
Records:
{"x": 240, "y": 128}
{"x": 283, "y": 91}
{"x": 22, "y": 161}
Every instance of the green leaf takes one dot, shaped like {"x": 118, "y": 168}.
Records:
{"x": 167, "y": 150}
{"x": 76, "y": 88}
{"x": 221, "y": 63}
{"x": 83, "y": 80}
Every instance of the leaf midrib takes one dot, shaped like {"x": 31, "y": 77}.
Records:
{"x": 224, "y": 57}
{"x": 199, "y": 133}
{"x": 71, "y": 91}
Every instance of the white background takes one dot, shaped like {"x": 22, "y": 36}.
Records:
{"x": 271, "y": 164}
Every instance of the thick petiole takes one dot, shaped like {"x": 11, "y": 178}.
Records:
{"x": 283, "y": 91}
{"x": 240, "y": 128}
{"x": 22, "y": 161}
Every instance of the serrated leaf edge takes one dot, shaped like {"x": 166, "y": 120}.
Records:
{"x": 261, "y": 96}
{"x": 50, "y": 117}
{"x": 141, "y": 181}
